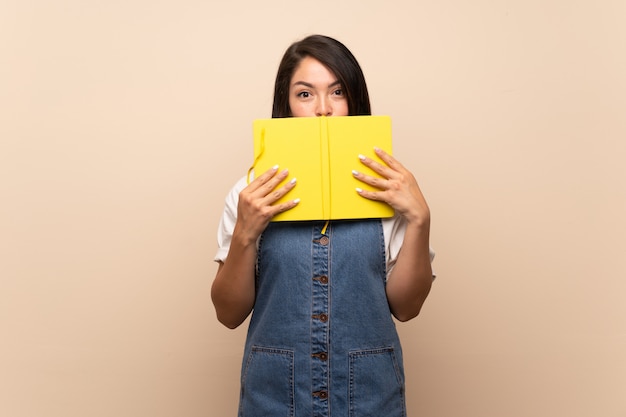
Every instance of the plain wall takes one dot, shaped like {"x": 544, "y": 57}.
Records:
{"x": 123, "y": 124}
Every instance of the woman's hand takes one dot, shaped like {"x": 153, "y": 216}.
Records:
{"x": 233, "y": 290}
{"x": 256, "y": 202}
{"x": 398, "y": 188}
{"x": 409, "y": 282}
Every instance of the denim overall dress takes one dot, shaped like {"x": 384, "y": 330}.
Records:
{"x": 321, "y": 340}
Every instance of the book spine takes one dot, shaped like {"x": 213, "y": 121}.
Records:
{"x": 325, "y": 167}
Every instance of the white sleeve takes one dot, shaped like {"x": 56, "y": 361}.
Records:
{"x": 228, "y": 220}
{"x": 393, "y": 230}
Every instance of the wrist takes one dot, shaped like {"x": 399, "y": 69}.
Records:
{"x": 418, "y": 221}
{"x": 243, "y": 238}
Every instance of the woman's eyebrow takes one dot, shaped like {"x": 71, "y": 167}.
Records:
{"x": 309, "y": 85}
{"x": 303, "y": 83}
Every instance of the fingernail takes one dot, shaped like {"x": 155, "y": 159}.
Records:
{"x": 361, "y": 157}
{"x": 293, "y": 181}
{"x": 376, "y": 149}
{"x": 296, "y": 201}
{"x": 355, "y": 172}
{"x": 275, "y": 167}
{"x": 359, "y": 190}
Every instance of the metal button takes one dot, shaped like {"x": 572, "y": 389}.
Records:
{"x": 323, "y": 279}
{"x": 321, "y": 394}
{"x": 324, "y": 240}
{"x": 321, "y": 317}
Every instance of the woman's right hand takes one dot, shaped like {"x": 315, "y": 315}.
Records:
{"x": 256, "y": 202}
{"x": 233, "y": 290}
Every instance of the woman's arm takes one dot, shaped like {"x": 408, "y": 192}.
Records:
{"x": 410, "y": 280}
{"x": 233, "y": 291}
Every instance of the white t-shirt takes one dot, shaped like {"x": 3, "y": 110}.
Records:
{"x": 393, "y": 229}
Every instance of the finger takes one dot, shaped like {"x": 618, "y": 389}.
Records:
{"x": 275, "y": 209}
{"x": 263, "y": 178}
{"x": 370, "y": 195}
{"x": 278, "y": 193}
{"x": 377, "y": 167}
{"x": 376, "y": 182}
{"x": 268, "y": 183}
{"x": 271, "y": 185}
{"x": 392, "y": 162}
{"x": 288, "y": 205}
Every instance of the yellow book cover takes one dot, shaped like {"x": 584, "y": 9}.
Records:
{"x": 321, "y": 152}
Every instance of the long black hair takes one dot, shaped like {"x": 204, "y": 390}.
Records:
{"x": 337, "y": 58}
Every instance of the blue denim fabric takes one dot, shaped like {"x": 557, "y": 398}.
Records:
{"x": 321, "y": 340}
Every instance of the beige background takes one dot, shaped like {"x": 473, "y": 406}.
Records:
{"x": 124, "y": 123}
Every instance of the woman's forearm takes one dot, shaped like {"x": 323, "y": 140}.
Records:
{"x": 410, "y": 280}
{"x": 233, "y": 290}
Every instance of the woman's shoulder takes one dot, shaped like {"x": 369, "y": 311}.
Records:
{"x": 232, "y": 198}
{"x": 238, "y": 186}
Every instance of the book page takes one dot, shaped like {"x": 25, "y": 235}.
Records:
{"x": 292, "y": 143}
{"x": 349, "y": 137}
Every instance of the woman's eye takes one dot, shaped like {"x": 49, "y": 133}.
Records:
{"x": 304, "y": 94}
{"x": 338, "y": 92}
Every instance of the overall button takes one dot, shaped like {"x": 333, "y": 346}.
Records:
{"x": 323, "y": 356}
{"x": 321, "y": 317}
{"x": 324, "y": 240}
{"x": 321, "y": 394}
{"x": 323, "y": 279}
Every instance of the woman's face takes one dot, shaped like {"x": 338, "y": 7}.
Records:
{"x": 315, "y": 91}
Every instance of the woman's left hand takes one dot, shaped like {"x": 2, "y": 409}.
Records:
{"x": 409, "y": 282}
{"x": 397, "y": 187}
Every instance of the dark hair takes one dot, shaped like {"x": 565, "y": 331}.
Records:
{"x": 337, "y": 58}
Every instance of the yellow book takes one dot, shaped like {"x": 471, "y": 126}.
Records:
{"x": 321, "y": 152}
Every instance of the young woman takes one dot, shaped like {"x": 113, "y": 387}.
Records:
{"x": 321, "y": 340}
